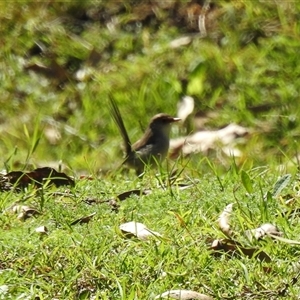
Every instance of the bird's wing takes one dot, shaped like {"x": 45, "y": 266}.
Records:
{"x": 146, "y": 139}
{"x": 119, "y": 121}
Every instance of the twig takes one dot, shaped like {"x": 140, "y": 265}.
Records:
{"x": 201, "y": 19}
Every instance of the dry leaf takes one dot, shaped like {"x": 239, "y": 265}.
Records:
{"x": 24, "y": 212}
{"x": 224, "y": 220}
{"x": 182, "y": 41}
{"x": 203, "y": 141}
{"x": 263, "y": 230}
{"x": 121, "y": 197}
{"x": 53, "y": 71}
{"x": 185, "y": 107}
{"x": 232, "y": 247}
{"x": 183, "y": 295}
{"x": 127, "y": 194}
{"x": 42, "y": 230}
{"x": 138, "y": 230}
{"x": 38, "y": 177}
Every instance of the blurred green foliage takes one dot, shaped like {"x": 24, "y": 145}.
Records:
{"x": 60, "y": 60}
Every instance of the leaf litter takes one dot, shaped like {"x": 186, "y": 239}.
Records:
{"x": 203, "y": 141}
{"x": 24, "y": 212}
{"x": 183, "y": 295}
{"x": 139, "y": 230}
{"x": 20, "y": 180}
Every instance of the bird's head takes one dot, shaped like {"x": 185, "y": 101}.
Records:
{"x": 162, "y": 122}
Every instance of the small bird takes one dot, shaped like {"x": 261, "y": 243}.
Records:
{"x": 152, "y": 148}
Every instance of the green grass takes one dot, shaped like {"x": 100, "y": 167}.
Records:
{"x": 249, "y": 59}
{"x": 245, "y": 71}
{"x": 96, "y": 260}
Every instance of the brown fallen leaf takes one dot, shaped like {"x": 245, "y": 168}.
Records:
{"x": 127, "y": 194}
{"x": 232, "y": 247}
{"x": 53, "y": 71}
{"x": 111, "y": 202}
{"x": 38, "y": 176}
{"x": 83, "y": 220}
{"x": 139, "y": 230}
{"x": 121, "y": 197}
{"x": 91, "y": 201}
{"x": 183, "y": 295}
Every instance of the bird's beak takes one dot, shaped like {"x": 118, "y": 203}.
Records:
{"x": 175, "y": 119}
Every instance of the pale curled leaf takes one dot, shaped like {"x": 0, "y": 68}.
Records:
{"x": 183, "y": 295}
{"x": 19, "y": 208}
{"x": 24, "y": 212}
{"x": 41, "y": 230}
{"x": 182, "y": 41}
{"x": 185, "y": 107}
{"x": 203, "y": 141}
{"x": 224, "y": 220}
{"x": 262, "y": 231}
{"x": 138, "y": 230}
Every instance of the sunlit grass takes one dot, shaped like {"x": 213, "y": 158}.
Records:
{"x": 94, "y": 259}
{"x": 245, "y": 71}
{"x": 253, "y": 63}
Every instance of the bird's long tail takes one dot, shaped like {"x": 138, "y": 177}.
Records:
{"x": 119, "y": 121}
